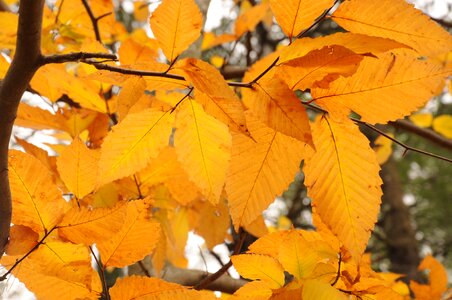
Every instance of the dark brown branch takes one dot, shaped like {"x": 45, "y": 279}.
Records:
{"x": 70, "y": 57}
{"x": 94, "y": 20}
{"x": 338, "y": 275}
{"x": 428, "y": 134}
{"x": 24, "y": 65}
{"x": 4, "y": 6}
{"x": 4, "y": 276}
{"x": 213, "y": 277}
{"x": 101, "y": 273}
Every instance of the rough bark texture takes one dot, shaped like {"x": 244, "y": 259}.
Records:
{"x": 401, "y": 243}
{"x": 25, "y": 63}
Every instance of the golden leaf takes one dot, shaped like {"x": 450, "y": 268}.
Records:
{"x": 343, "y": 181}
{"x": 37, "y": 202}
{"x": 136, "y": 239}
{"x": 383, "y": 89}
{"x": 21, "y": 240}
{"x": 383, "y": 148}
{"x": 260, "y": 170}
{"x": 397, "y": 20}
{"x": 295, "y": 15}
{"x": 255, "y": 290}
{"x": 423, "y": 120}
{"x": 131, "y": 91}
{"x": 260, "y": 267}
{"x": 277, "y": 106}
{"x": 88, "y": 226}
{"x": 314, "y": 289}
{"x": 443, "y": 125}
{"x": 437, "y": 280}
{"x": 250, "y": 18}
{"x": 77, "y": 166}
{"x": 176, "y": 24}
{"x": 203, "y": 146}
{"x": 217, "y": 215}
{"x": 133, "y": 143}
{"x": 38, "y": 118}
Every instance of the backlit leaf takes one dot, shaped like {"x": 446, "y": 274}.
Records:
{"x": 295, "y": 15}
{"x": 87, "y": 226}
{"x": 131, "y": 91}
{"x": 383, "y": 89}
{"x": 423, "y": 120}
{"x": 133, "y": 143}
{"x": 437, "y": 279}
{"x": 37, "y": 202}
{"x": 250, "y": 18}
{"x": 203, "y": 148}
{"x": 383, "y": 148}
{"x": 137, "y": 238}
{"x": 397, "y": 20}
{"x": 21, "y": 240}
{"x": 343, "y": 181}
{"x": 443, "y": 125}
{"x": 176, "y": 24}
{"x": 314, "y": 289}
{"x": 260, "y": 267}
{"x": 260, "y": 170}
{"x": 77, "y": 166}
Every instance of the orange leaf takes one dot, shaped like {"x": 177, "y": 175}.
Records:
{"x": 176, "y": 24}
{"x": 37, "y": 202}
{"x": 295, "y": 15}
{"x": 397, "y": 20}
{"x": 77, "y": 166}
{"x": 131, "y": 92}
{"x": 136, "y": 239}
{"x": 383, "y": 89}
{"x": 261, "y": 267}
{"x": 314, "y": 289}
{"x": 250, "y": 18}
{"x": 343, "y": 181}
{"x": 21, "y": 240}
{"x": 437, "y": 277}
{"x": 260, "y": 170}
{"x": 278, "y": 107}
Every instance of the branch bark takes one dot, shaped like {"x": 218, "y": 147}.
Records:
{"x": 4, "y": 6}
{"x": 428, "y": 134}
{"x": 25, "y": 63}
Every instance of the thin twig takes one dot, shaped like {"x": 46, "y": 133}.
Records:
{"x": 317, "y": 21}
{"x": 72, "y": 57}
{"x": 407, "y": 147}
{"x": 265, "y": 72}
{"x": 180, "y": 101}
{"x": 338, "y": 271}
{"x": 211, "y": 278}
{"x": 94, "y": 20}
{"x": 140, "y": 195}
{"x": 102, "y": 274}
{"x": 144, "y": 269}
{"x": 3, "y": 277}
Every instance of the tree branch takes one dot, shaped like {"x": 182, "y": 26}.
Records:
{"x": 24, "y": 65}
{"x": 94, "y": 20}
{"x": 4, "y": 6}
{"x": 70, "y": 57}
{"x": 425, "y": 133}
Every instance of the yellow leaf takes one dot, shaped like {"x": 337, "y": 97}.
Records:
{"x": 260, "y": 170}
{"x": 219, "y": 216}
{"x": 437, "y": 279}
{"x": 52, "y": 287}
{"x": 299, "y": 257}
{"x": 217, "y": 61}
{"x": 145, "y": 288}
{"x": 137, "y": 238}
{"x": 211, "y": 40}
{"x": 131, "y": 91}
{"x": 37, "y": 118}
{"x": 260, "y": 267}
{"x": 176, "y": 24}
{"x": 21, "y": 240}
{"x": 140, "y": 11}
{"x": 423, "y": 120}
{"x": 343, "y": 181}
{"x": 443, "y": 125}
{"x": 277, "y": 106}
{"x": 319, "y": 67}
{"x": 295, "y": 15}
{"x": 88, "y": 226}
{"x": 133, "y": 143}
{"x": 4, "y": 66}
{"x": 77, "y": 166}
{"x": 134, "y": 51}
{"x": 37, "y": 202}
{"x": 383, "y": 148}
{"x": 255, "y": 290}
{"x": 358, "y": 43}
{"x": 250, "y": 18}
{"x": 314, "y": 289}
{"x": 397, "y": 20}
{"x": 8, "y": 29}
{"x": 203, "y": 146}
{"x": 383, "y": 89}
{"x": 216, "y": 97}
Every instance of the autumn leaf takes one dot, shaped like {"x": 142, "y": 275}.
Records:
{"x": 250, "y": 18}
{"x": 77, "y": 166}
{"x": 260, "y": 170}
{"x": 261, "y": 267}
{"x": 277, "y": 106}
{"x": 343, "y": 181}
{"x": 442, "y": 124}
{"x": 437, "y": 280}
{"x": 314, "y": 289}
{"x": 383, "y": 89}
{"x": 176, "y": 24}
{"x": 133, "y": 143}
{"x": 137, "y": 238}
{"x": 203, "y": 148}
{"x": 132, "y": 90}
{"x": 22, "y": 240}
{"x": 37, "y": 202}
{"x": 295, "y": 15}
{"x": 218, "y": 215}
{"x": 87, "y": 226}
{"x": 397, "y": 20}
